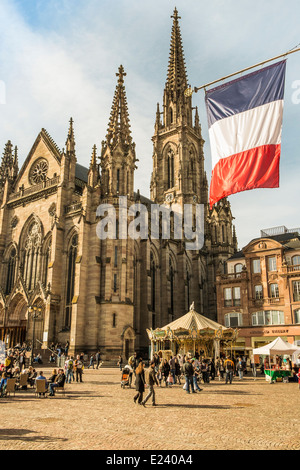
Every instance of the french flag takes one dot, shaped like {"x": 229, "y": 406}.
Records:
{"x": 245, "y": 122}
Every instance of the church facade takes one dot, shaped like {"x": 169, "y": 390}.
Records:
{"x": 60, "y": 281}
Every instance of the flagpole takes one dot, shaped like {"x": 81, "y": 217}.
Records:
{"x": 196, "y": 89}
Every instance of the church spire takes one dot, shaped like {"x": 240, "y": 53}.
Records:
{"x": 9, "y": 164}
{"x": 118, "y": 150}
{"x": 70, "y": 142}
{"x": 177, "y": 76}
{"x": 119, "y": 127}
{"x": 177, "y": 106}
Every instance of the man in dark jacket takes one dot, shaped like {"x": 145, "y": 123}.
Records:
{"x": 150, "y": 380}
{"x": 188, "y": 371}
{"x": 59, "y": 382}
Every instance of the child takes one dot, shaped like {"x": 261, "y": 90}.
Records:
{"x": 159, "y": 376}
{"x": 170, "y": 380}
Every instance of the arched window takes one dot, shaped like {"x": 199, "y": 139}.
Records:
{"x": 32, "y": 255}
{"x": 72, "y": 255}
{"x": 11, "y": 269}
{"x": 170, "y": 166}
{"x": 296, "y": 261}
{"x": 47, "y": 258}
{"x": 188, "y": 289}
{"x": 238, "y": 268}
{"x": 171, "y": 277}
{"x": 153, "y": 287}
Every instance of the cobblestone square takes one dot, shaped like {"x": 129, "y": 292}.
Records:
{"x": 99, "y": 415}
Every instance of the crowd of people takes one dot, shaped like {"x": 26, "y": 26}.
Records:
{"x": 182, "y": 370}
{"x": 14, "y": 365}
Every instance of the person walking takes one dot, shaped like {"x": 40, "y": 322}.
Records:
{"x": 165, "y": 371}
{"x": 188, "y": 371}
{"x": 240, "y": 368}
{"x": 69, "y": 370}
{"x": 98, "y": 359}
{"x": 120, "y": 362}
{"x": 177, "y": 370}
{"x": 139, "y": 383}
{"x": 196, "y": 368}
{"x": 229, "y": 367}
{"x": 92, "y": 361}
{"x": 78, "y": 367}
{"x": 151, "y": 380}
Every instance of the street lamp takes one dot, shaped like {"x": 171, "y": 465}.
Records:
{"x": 35, "y": 313}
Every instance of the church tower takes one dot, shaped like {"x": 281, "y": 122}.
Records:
{"x": 178, "y": 161}
{"x": 117, "y": 162}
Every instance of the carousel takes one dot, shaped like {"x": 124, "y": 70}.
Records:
{"x": 192, "y": 334}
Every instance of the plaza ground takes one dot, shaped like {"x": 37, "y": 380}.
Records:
{"x": 99, "y": 415}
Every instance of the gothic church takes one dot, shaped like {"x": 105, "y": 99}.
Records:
{"x": 58, "y": 281}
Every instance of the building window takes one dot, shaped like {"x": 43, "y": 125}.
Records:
{"x": 258, "y": 292}
{"x": 115, "y": 283}
{"x": 171, "y": 276}
{"x": 72, "y": 255}
{"x": 170, "y": 162}
{"x": 297, "y": 315}
{"x": 238, "y": 268}
{"x": 268, "y": 317}
{"x": 274, "y": 291}
{"x": 11, "y": 271}
{"x": 118, "y": 180}
{"x": 272, "y": 263}
{"x": 116, "y": 257}
{"x": 227, "y": 297}
{"x": 256, "y": 266}
{"x": 232, "y": 297}
{"x": 114, "y": 322}
{"x": 233, "y": 320}
{"x": 188, "y": 289}
{"x": 296, "y": 291}
{"x": 296, "y": 260}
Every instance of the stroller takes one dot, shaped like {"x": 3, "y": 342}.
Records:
{"x": 126, "y": 377}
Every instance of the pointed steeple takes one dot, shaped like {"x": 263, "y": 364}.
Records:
{"x": 93, "y": 173}
{"x": 177, "y": 106}
{"x": 118, "y": 150}
{"x": 70, "y": 142}
{"x": 119, "y": 127}
{"x": 9, "y": 164}
{"x": 177, "y": 76}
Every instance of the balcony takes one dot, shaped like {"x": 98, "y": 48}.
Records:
{"x": 73, "y": 208}
{"x": 26, "y": 193}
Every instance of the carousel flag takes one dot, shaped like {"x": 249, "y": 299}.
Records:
{"x": 245, "y": 121}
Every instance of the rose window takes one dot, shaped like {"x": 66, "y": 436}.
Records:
{"x": 38, "y": 172}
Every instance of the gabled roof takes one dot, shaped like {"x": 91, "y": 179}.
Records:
{"x": 50, "y": 144}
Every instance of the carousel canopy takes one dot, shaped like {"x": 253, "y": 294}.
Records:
{"x": 192, "y": 325}
{"x": 193, "y": 319}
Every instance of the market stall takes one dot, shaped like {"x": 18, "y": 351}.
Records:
{"x": 278, "y": 347}
{"x": 191, "y": 334}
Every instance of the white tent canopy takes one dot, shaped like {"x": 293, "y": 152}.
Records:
{"x": 278, "y": 346}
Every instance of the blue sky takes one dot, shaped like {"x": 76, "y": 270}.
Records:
{"x": 59, "y": 58}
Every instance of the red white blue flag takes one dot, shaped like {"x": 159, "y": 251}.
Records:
{"x": 245, "y": 122}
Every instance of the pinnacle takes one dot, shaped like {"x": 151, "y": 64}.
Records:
{"x": 177, "y": 77}
{"x": 119, "y": 126}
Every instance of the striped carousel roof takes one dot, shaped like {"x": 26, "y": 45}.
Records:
{"x": 193, "y": 319}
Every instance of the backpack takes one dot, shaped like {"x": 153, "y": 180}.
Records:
{"x": 70, "y": 365}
